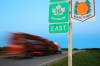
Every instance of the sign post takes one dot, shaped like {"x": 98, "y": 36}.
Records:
{"x": 70, "y": 45}
{"x": 70, "y": 38}
{"x": 60, "y": 21}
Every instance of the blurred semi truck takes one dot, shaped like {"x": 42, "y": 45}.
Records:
{"x": 27, "y": 45}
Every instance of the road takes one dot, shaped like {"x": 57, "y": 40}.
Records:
{"x": 37, "y": 61}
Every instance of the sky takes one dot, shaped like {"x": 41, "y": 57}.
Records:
{"x": 31, "y": 16}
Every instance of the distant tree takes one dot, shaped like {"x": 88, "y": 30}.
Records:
{"x": 75, "y": 49}
{"x": 90, "y": 49}
{"x": 64, "y": 49}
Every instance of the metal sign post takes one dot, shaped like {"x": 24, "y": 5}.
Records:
{"x": 70, "y": 38}
{"x": 70, "y": 44}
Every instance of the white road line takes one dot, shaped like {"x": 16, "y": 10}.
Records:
{"x": 48, "y": 62}
{"x": 52, "y": 61}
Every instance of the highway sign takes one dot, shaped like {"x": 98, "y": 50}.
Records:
{"x": 83, "y": 10}
{"x": 58, "y": 28}
{"x": 58, "y": 16}
{"x": 58, "y": 12}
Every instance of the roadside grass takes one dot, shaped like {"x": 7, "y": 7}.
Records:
{"x": 86, "y": 58}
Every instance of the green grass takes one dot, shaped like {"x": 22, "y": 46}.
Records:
{"x": 87, "y": 58}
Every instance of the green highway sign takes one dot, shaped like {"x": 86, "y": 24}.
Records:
{"x": 58, "y": 28}
{"x": 58, "y": 16}
{"x": 59, "y": 12}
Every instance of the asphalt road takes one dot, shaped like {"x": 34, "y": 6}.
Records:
{"x": 37, "y": 61}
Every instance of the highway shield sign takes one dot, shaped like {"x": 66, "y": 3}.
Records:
{"x": 83, "y": 9}
{"x": 59, "y": 11}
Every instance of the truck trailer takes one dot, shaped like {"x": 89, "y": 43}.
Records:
{"x": 27, "y": 45}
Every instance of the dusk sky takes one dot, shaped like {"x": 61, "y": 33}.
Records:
{"x": 31, "y": 16}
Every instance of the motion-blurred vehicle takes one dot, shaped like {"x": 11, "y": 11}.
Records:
{"x": 27, "y": 45}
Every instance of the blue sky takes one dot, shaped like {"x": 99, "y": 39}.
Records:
{"x": 31, "y": 16}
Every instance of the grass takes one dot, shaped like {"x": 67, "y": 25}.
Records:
{"x": 87, "y": 58}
